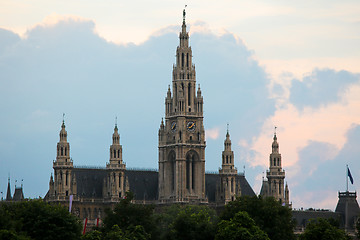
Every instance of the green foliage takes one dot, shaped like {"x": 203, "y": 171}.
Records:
{"x": 275, "y": 220}
{"x": 131, "y": 219}
{"x": 38, "y": 220}
{"x": 322, "y": 229}
{"x": 190, "y": 222}
{"x": 241, "y": 226}
{"x": 93, "y": 235}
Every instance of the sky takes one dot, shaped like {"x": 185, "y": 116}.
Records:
{"x": 290, "y": 64}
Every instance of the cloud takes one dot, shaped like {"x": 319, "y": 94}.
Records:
{"x": 321, "y": 87}
{"x": 7, "y": 40}
{"x": 212, "y": 133}
{"x": 65, "y": 66}
{"x": 321, "y": 171}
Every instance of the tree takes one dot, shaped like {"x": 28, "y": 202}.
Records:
{"x": 322, "y": 229}
{"x": 241, "y": 226}
{"x": 275, "y": 220}
{"x": 39, "y": 220}
{"x": 191, "y": 222}
{"x": 131, "y": 218}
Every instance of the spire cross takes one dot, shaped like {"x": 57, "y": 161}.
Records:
{"x": 115, "y": 121}
{"x": 227, "y": 127}
{"x": 63, "y": 117}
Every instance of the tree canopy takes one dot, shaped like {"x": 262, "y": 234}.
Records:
{"x": 241, "y": 226}
{"x": 36, "y": 219}
{"x": 131, "y": 219}
{"x": 275, "y": 220}
{"x": 323, "y": 229}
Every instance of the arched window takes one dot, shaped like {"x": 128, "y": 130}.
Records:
{"x": 114, "y": 153}
{"x": 279, "y": 187}
{"x": 66, "y": 180}
{"x": 227, "y": 159}
{"x": 119, "y": 153}
{"x": 187, "y": 59}
{"x": 182, "y": 60}
{"x": 62, "y": 151}
{"x": 65, "y": 151}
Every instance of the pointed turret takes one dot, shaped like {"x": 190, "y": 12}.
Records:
{"x": 8, "y": 193}
{"x": 227, "y": 154}
{"x": 287, "y": 195}
{"x": 275, "y": 145}
{"x": 116, "y": 148}
{"x": 63, "y": 147}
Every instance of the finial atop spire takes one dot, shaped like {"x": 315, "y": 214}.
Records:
{"x": 63, "y": 124}
{"x": 116, "y": 122}
{"x": 275, "y": 138}
{"x": 184, "y": 14}
{"x": 227, "y": 128}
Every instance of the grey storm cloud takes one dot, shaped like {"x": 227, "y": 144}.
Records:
{"x": 319, "y": 170}
{"x": 68, "y": 68}
{"x": 321, "y": 87}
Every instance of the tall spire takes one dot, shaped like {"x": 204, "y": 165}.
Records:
{"x": 8, "y": 193}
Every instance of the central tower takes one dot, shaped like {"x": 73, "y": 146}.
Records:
{"x": 182, "y": 135}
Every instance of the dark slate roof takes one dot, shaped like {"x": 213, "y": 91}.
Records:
{"x": 143, "y": 183}
{"x": 212, "y": 179}
{"x": 89, "y": 182}
{"x": 347, "y": 200}
{"x": 18, "y": 194}
{"x": 302, "y": 217}
{"x": 246, "y": 189}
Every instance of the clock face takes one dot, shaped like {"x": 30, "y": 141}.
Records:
{"x": 191, "y": 126}
{"x": 173, "y": 126}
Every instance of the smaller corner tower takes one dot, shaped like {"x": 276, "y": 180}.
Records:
{"x": 227, "y": 189}
{"x": 61, "y": 186}
{"x": 115, "y": 180}
{"x": 276, "y": 176}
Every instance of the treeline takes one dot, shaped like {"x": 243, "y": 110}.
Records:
{"x": 245, "y": 218}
